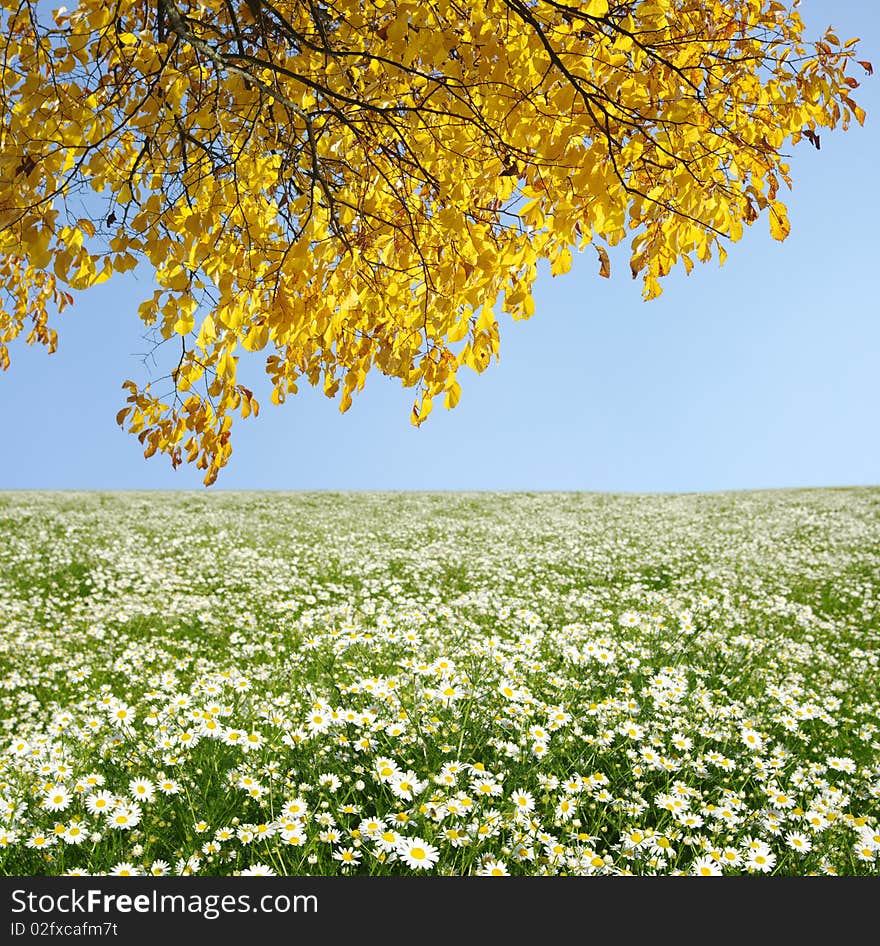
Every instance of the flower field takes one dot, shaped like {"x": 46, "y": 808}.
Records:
{"x": 396, "y": 683}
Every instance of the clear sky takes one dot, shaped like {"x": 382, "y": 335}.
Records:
{"x": 763, "y": 373}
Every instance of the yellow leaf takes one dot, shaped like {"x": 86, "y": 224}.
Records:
{"x": 458, "y": 330}
{"x": 185, "y": 323}
{"x": 420, "y": 411}
{"x": 453, "y": 395}
{"x": 779, "y": 225}
{"x": 256, "y": 337}
{"x": 562, "y": 263}
{"x": 486, "y": 320}
{"x": 104, "y": 275}
{"x": 207, "y": 332}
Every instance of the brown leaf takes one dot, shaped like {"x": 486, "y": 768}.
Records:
{"x": 27, "y": 165}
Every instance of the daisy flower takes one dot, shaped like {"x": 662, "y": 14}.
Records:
{"x": 417, "y": 853}
{"x": 258, "y": 870}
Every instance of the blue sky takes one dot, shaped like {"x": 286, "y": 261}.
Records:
{"x": 763, "y": 373}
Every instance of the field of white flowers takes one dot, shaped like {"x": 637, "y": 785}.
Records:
{"x": 387, "y": 683}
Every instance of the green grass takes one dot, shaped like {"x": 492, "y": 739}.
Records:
{"x": 513, "y": 683}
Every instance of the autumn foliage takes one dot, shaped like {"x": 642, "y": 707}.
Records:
{"x": 358, "y": 185}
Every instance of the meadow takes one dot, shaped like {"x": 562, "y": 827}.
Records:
{"x": 466, "y": 684}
